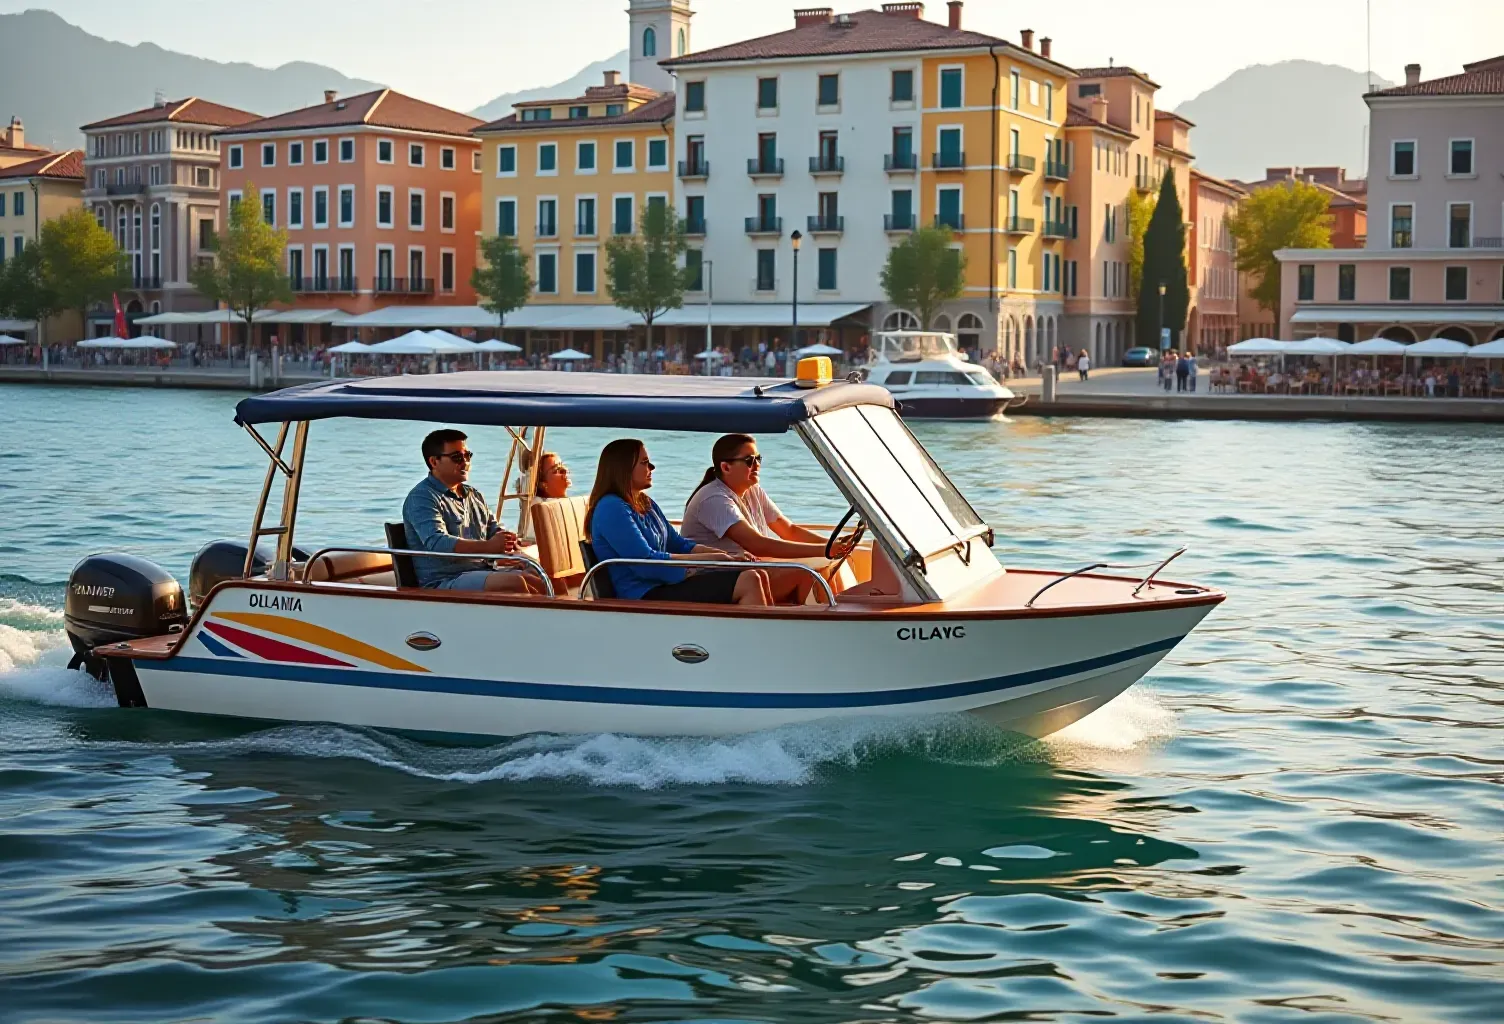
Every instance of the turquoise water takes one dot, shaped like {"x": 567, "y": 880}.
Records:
{"x": 1296, "y": 817}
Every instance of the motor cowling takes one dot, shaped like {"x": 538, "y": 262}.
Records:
{"x": 221, "y": 560}
{"x": 114, "y": 597}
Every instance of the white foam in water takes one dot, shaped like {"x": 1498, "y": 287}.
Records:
{"x": 1135, "y": 718}
{"x": 33, "y": 657}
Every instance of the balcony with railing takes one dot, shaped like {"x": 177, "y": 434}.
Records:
{"x": 1146, "y": 182}
{"x": 404, "y": 285}
{"x": 694, "y": 169}
{"x": 764, "y": 225}
{"x": 1018, "y": 225}
{"x": 897, "y": 222}
{"x": 954, "y": 221}
{"x": 1020, "y": 163}
{"x": 1057, "y": 170}
{"x": 826, "y": 225}
{"x": 325, "y": 285}
{"x": 827, "y": 164}
{"x": 146, "y": 282}
{"x": 695, "y": 227}
{"x": 772, "y": 167}
{"x": 1057, "y": 229}
{"x": 125, "y": 188}
{"x": 1488, "y": 243}
{"x": 900, "y": 163}
{"x": 949, "y": 160}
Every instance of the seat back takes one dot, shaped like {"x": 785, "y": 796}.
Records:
{"x": 407, "y": 573}
{"x": 344, "y": 566}
{"x": 601, "y": 582}
{"x": 559, "y": 526}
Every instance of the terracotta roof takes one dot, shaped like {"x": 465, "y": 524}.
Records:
{"x": 862, "y": 32}
{"x": 1117, "y": 71}
{"x": 54, "y": 165}
{"x": 1480, "y": 78}
{"x": 1335, "y": 196}
{"x": 190, "y": 111}
{"x": 379, "y": 108}
{"x": 1227, "y": 186}
{"x": 23, "y": 149}
{"x": 659, "y": 109}
{"x": 599, "y": 94}
{"x": 1170, "y": 115}
{"x": 1080, "y": 117}
{"x": 1177, "y": 152}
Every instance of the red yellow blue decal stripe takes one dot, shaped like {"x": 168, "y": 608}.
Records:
{"x": 271, "y": 650}
{"x": 308, "y": 633}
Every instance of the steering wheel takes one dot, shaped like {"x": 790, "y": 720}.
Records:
{"x": 835, "y": 535}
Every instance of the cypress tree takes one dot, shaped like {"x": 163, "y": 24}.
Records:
{"x": 1164, "y": 263}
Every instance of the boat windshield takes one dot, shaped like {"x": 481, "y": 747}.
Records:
{"x": 910, "y": 346}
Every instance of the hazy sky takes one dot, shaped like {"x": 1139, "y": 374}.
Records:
{"x": 464, "y": 52}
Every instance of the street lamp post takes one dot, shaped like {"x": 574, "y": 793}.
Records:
{"x": 1162, "y": 345}
{"x": 796, "y": 238}
{"x": 709, "y": 268}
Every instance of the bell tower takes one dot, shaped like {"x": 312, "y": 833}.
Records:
{"x": 659, "y": 30}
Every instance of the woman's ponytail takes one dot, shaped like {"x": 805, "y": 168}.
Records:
{"x": 724, "y": 449}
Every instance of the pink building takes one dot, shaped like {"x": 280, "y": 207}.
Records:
{"x": 1434, "y": 260}
{"x": 1212, "y": 265}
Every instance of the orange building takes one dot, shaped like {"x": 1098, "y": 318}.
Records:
{"x": 1347, "y": 199}
{"x": 379, "y": 194}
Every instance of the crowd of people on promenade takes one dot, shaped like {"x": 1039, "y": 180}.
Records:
{"x": 1390, "y": 377}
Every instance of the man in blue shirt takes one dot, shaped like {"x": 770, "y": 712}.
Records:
{"x": 444, "y": 513}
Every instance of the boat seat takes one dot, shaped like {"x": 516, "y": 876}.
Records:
{"x": 351, "y": 567}
{"x": 601, "y": 584}
{"x": 407, "y": 573}
{"x": 559, "y": 526}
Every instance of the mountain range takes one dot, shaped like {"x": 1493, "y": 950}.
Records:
{"x": 1295, "y": 112}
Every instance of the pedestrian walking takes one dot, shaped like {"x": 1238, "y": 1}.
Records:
{"x": 1182, "y": 371}
{"x": 1083, "y": 364}
{"x": 1191, "y": 369}
{"x": 1166, "y": 369}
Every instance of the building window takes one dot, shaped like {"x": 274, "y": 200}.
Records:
{"x": 1401, "y": 226}
{"x": 624, "y": 155}
{"x": 268, "y": 208}
{"x": 384, "y": 271}
{"x": 446, "y": 213}
{"x": 383, "y": 207}
{"x": 901, "y": 88}
{"x": 902, "y": 206}
{"x": 1306, "y": 282}
{"x": 1049, "y": 102}
{"x": 828, "y": 90}
{"x": 1461, "y": 157}
{"x": 1459, "y": 225}
{"x": 1402, "y": 160}
{"x": 295, "y": 268}
{"x": 347, "y": 206}
{"x": 548, "y": 218}
{"x": 506, "y": 161}
{"x": 1399, "y": 284}
{"x": 446, "y": 158}
{"x": 347, "y": 268}
{"x": 584, "y": 273}
{"x": 384, "y": 151}
{"x": 657, "y": 154}
{"x": 1012, "y": 268}
{"x": 321, "y": 206}
{"x": 584, "y": 158}
{"x": 415, "y": 209}
{"x": 347, "y": 156}
{"x": 767, "y": 94}
{"x": 205, "y": 234}
{"x": 951, "y": 88}
{"x": 295, "y": 154}
{"x": 948, "y": 205}
{"x": 578, "y": 112}
{"x": 825, "y": 279}
{"x": 683, "y": 44}
{"x": 1456, "y": 284}
{"x": 548, "y": 273}
{"x": 548, "y": 158}
{"x": 506, "y": 217}
{"x": 294, "y": 208}
{"x": 694, "y": 97}
{"x": 237, "y": 158}
{"x": 321, "y": 151}
{"x": 950, "y": 148}
{"x": 584, "y": 216}
{"x": 694, "y": 215}
{"x": 767, "y": 266}
{"x": 415, "y": 154}
{"x": 446, "y": 270}
{"x": 615, "y": 109}
{"x": 475, "y": 160}
{"x": 1014, "y": 80}
{"x": 268, "y": 154}
{"x": 649, "y": 42}
{"x": 1347, "y": 282}
{"x": 537, "y": 114}
{"x": 622, "y": 220}
{"x": 694, "y": 270}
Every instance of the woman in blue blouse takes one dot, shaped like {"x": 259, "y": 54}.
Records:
{"x": 623, "y": 522}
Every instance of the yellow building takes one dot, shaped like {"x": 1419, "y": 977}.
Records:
{"x": 564, "y": 176}
{"x": 31, "y": 194}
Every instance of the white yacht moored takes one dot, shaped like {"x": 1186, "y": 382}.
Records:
{"x": 931, "y": 379}
{"x": 921, "y": 618}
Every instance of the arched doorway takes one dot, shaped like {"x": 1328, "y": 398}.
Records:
{"x": 969, "y": 334}
{"x": 900, "y": 320}
{"x": 1403, "y": 335}
{"x": 1455, "y": 333}
{"x": 1498, "y": 335}
{"x": 942, "y": 323}
{"x": 1031, "y": 347}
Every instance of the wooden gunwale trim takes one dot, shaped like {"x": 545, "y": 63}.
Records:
{"x": 915, "y": 612}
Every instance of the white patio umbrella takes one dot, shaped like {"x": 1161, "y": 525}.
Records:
{"x": 818, "y": 349}
{"x": 102, "y": 343}
{"x": 1488, "y": 350}
{"x": 1316, "y": 347}
{"x": 711, "y": 354}
{"x": 1257, "y": 347}
{"x": 351, "y": 348}
{"x": 1437, "y": 347}
{"x": 1378, "y": 347}
{"x": 497, "y": 345}
{"x": 146, "y": 341}
{"x": 413, "y": 343}
{"x": 6, "y": 339}
{"x": 460, "y": 344}
{"x": 568, "y": 355}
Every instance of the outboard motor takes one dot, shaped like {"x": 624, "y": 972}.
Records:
{"x": 114, "y": 597}
{"x": 221, "y": 560}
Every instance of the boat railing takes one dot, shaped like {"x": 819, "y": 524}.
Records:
{"x": 1154, "y": 568}
{"x": 697, "y": 563}
{"x": 521, "y": 560}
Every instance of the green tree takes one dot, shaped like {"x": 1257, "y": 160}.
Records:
{"x": 501, "y": 280}
{"x": 1140, "y": 212}
{"x": 79, "y": 264}
{"x": 1164, "y": 264}
{"x": 24, "y": 292}
{"x": 1292, "y": 215}
{"x": 247, "y": 273}
{"x": 642, "y": 270}
{"x": 923, "y": 271}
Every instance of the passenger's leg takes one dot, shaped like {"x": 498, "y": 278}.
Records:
{"x": 789, "y": 586}
{"x": 512, "y": 583}
{"x": 752, "y": 588}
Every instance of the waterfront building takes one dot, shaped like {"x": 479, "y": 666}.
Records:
{"x": 152, "y": 180}
{"x": 379, "y": 194}
{"x": 14, "y": 149}
{"x": 31, "y": 194}
{"x": 1433, "y": 263}
{"x": 851, "y": 129}
{"x": 1212, "y": 265}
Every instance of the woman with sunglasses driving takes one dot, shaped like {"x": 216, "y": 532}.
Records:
{"x": 731, "y": 510}
{"x": 623, "y": 522}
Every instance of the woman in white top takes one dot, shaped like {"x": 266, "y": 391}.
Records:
{"x": 731, "y": 511}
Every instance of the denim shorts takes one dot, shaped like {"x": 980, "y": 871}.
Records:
{"x": 475, "y": 579}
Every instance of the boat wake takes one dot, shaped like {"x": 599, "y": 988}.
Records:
{"x": 33, "y": 658}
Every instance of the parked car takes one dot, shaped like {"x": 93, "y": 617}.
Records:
{"x": 1141, "y": 356}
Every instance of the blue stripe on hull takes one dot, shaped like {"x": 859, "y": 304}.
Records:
{"x": 653, "y": 697}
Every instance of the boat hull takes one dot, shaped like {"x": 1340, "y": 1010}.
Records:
{"x": 950, "y": 408}
{"x": 508, "y": 669}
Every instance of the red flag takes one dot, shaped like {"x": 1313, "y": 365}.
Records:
{"x": 121, "y": 331}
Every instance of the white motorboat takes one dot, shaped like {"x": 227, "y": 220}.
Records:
{"x": 921, "y": 618}
{"x": 926, "y": 372}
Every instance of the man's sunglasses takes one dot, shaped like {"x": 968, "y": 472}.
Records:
{"x": 458, "y": 458}
{"x": 751, "y": 461}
